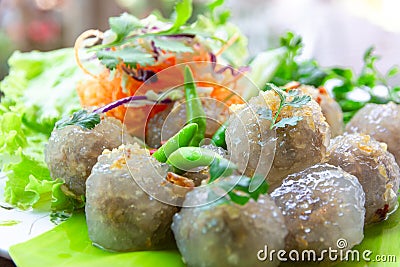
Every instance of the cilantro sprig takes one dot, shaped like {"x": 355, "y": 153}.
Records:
{"x": 366, "y": 81}
{"x": 293, "y": 68}
{"x": 131, "y": 56}
{"x": 287, "y": 99}
{"x": 82, "y": 118}
{"x": 125, "y": 34}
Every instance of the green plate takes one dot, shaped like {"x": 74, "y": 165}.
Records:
{"x": 68, "y": 244}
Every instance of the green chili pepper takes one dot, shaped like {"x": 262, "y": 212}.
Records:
{"x": 187, "y": 158}
{"x": 180, "y": 139}
{"x": 219, "y": 136}
{"x": 194, "y": 109}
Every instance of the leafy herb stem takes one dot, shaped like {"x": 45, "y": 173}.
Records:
{"x": 277, "y": 114}
{"x": 295, "y": 101}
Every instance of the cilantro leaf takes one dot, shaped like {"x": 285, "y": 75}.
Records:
{"x": 393, "y": 71}
{"x": 80, "y": 118}
{"x": 368, "y": 78}
{"x": 293, "y": 68}
{"x": 123, "y": 25}
{"x": 292, "y": 121}
{"x": 129, "y": 55}
{"x": 171, "y": 45}
{"x": 278, "y": 91}
{"x": 297, "y": 102}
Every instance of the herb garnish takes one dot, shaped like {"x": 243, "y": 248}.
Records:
{"x": 127, "y": 33}
{"x": 366, "y": 81}
{"x": 82, "y": 118}
{"x": 291, "y": 68}
{"x": 287, "y": 99}
{"x": 131, "y": 56}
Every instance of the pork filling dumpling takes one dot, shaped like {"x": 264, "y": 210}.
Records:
{"x": 288, "y": 149}
{"x": 72, "y": 151}
{"x": 375, "y": 168}
{"x": 226, "y": 234}
{"x": 124, "y": 201}
{"x": 380, "y": 121}
{"x": 321, "y": 205}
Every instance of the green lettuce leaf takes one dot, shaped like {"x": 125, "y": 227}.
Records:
{"x": 37, "y": 76}
{"x": 39, "y": 90}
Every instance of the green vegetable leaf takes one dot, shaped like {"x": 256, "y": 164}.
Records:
{"x": 292, "y": 121}
{"x": 258, "y": 185}
{"x": 169, "y": 44}
{"x": 393, "y": 71}
{"x": 20, "y": 190}
{"x": 82, "y": 118}
{"x": 223, "y": 17}
{"x": 347, "y": 74}
{"x": 71, "y": 239}
{"x": 237, "y": 198}
{"x": 309, "y": 72}
{"x": 238, "y": 188}
{"x": 220, "y": 18}
{"x": 220, "y": 167}
{"x": 124, "y": 25}
{"x": 131, "y": 56}
{"x": 293, "y": 68}
{"x": 368, "y": 78}
{"x": 39, "y": 90}
{"x": 213, "y": 5}
{"x": 395, "y": 94}
{"x": 297, "y": 101}
{"x": 65, "y": 202}
{"x": 262, "y": 186}
{"x": 183, "y": 12}
{"x": 350, "y": 105}
{"x": 216, "y": 34}
{"x": 35, "y": 76}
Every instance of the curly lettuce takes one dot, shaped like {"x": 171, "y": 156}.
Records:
{"x": 38, "y": 91}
